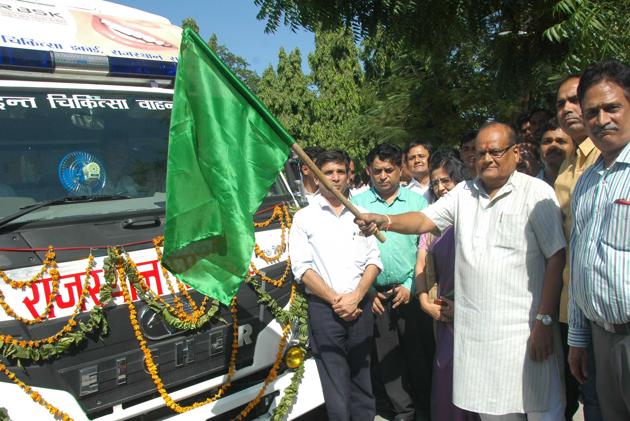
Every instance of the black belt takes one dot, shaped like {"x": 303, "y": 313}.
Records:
{"x": 620, "y": 329}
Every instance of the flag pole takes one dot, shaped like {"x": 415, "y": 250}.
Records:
{"x": 326, "y": 182}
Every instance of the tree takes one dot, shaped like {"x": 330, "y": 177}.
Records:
{"x": 466, "y": 60}
{"x": 592, "y": 30}
{"x": 190, "y": 23}
{"x": 236, "y": 63}
{"x": 287, "y": 95}
{"x": 337, "y": 78}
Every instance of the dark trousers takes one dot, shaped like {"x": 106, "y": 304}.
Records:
{"x": 588, "y": 390}
{"x": 571, "y": 385}
{"x": 612, "y": 362}
{"x": 342, "y": 354}
{"x": 419, "y": 346}
{"x": 390, "y": 368}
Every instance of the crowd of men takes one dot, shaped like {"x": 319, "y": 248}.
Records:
{"x": 502, "y": 291}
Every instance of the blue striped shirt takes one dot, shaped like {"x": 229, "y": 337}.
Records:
{"x": 600, "y": 248}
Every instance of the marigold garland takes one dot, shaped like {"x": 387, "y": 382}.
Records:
{"x": 158, "y": 242}
{"x": 281, "y": 213}
{"x": 67, "y": 328}
{"x": 296, "y": 315}
{"x": 140, "y": 281}
{"x": 278, "y": 213}
{"x": 34, "y": 395}
{"x": 275, "y": 282}
{"x": 148, "y": 357}
{"x": 49, "y": 266}
{"x": 48, "y": 263}
{"x": 126, "y": 271}
{"x": 273, "y": 373}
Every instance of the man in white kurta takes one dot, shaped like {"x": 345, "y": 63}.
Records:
{"x": 509, "y": 258}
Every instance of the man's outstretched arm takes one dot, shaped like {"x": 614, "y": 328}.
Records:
{"x": 404, "y": 223}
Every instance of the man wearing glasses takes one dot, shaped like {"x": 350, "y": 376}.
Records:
{"x": 508, "y": 276}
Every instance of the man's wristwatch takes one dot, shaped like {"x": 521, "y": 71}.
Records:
{"x": 545, "y": 319}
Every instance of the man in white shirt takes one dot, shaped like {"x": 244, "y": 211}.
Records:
{"x": 310, "y": 185}
{"x": 417, "y": 160}
{"x": 509, "y": 249}
{"x": 337, "y": 264}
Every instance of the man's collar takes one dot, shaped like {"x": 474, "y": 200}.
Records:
{"x": 324, "y": 203}
{"x": 507, "y": 187}
{"x": 416, "y": 183}
{"x": 586, "y": 146}
{"x": 400, "y": 195}
{"x": 624, "y": 156}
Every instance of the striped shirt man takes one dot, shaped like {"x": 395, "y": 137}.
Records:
{"x": 600, "y": 249}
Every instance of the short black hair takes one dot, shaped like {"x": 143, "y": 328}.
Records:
{"x": 567, "y": 78}
{"x": 467, "y": 137}
{"x": 447, "y": 159}
{"x": 609, "y": 70}
{"x": 414, "y": 143}
{"x": 385, "y": 152}
{"x": 550, "y": 125}
{"x": 327, "y": 156}
{"x": 512, "y": 138}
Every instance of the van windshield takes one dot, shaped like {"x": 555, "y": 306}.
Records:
{"x": 58, "y": 142}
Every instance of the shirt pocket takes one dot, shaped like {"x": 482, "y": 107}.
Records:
{"x": 510, "y": 231}
{"x": 616, "y": 227}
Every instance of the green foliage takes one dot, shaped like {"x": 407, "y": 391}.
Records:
{"x": 287, "y": 95}
{"x": 190, "y": 23}
{"x": 296, "y": 315}
{"x": 435, "y": 69}
{"x": 592, "y": 30}
{"x": 236, "y": 63}
{"x": 337, "y": 78}
{"x": 321, "y": 108}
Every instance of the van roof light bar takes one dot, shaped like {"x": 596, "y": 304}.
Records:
{"x": 146, "y": 68}
{"x": 26, "y": 59}
{"x": 61, "y": 62}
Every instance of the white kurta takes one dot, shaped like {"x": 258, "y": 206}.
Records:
{"x": 501, "y": 248}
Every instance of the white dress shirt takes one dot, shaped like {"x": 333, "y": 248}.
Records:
{"x": 310, "y": 196}
{"x": 424, "y": 191}
{"x": 331, "y": 245}
{"x": 501, "y": 247}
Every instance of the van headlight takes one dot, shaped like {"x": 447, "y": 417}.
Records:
{"x": 294, "y": 357}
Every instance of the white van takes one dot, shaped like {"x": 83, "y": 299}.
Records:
{"x": 85, "y": 97}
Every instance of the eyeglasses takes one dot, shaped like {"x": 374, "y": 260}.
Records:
{"x": 494, "y": 153}
{"x": 441, "y": 181}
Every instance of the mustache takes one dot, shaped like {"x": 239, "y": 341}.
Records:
{"x": 554, "y": 150}
{"x": 608, "y": 126}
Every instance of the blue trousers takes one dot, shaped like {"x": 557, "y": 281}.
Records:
{"x": 342, "y": 354}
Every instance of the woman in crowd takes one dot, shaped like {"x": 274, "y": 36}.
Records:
{"x": 435, "y": 267}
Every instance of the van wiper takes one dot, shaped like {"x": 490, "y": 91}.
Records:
{"x": 59, "y": 201}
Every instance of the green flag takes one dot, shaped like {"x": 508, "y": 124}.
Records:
{"x": 225, "y": 151}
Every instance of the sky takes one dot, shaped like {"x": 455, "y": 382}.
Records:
{"x": 236, "y": 26}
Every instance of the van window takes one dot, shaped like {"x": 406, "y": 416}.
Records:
{"x": 56, "y": 143}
